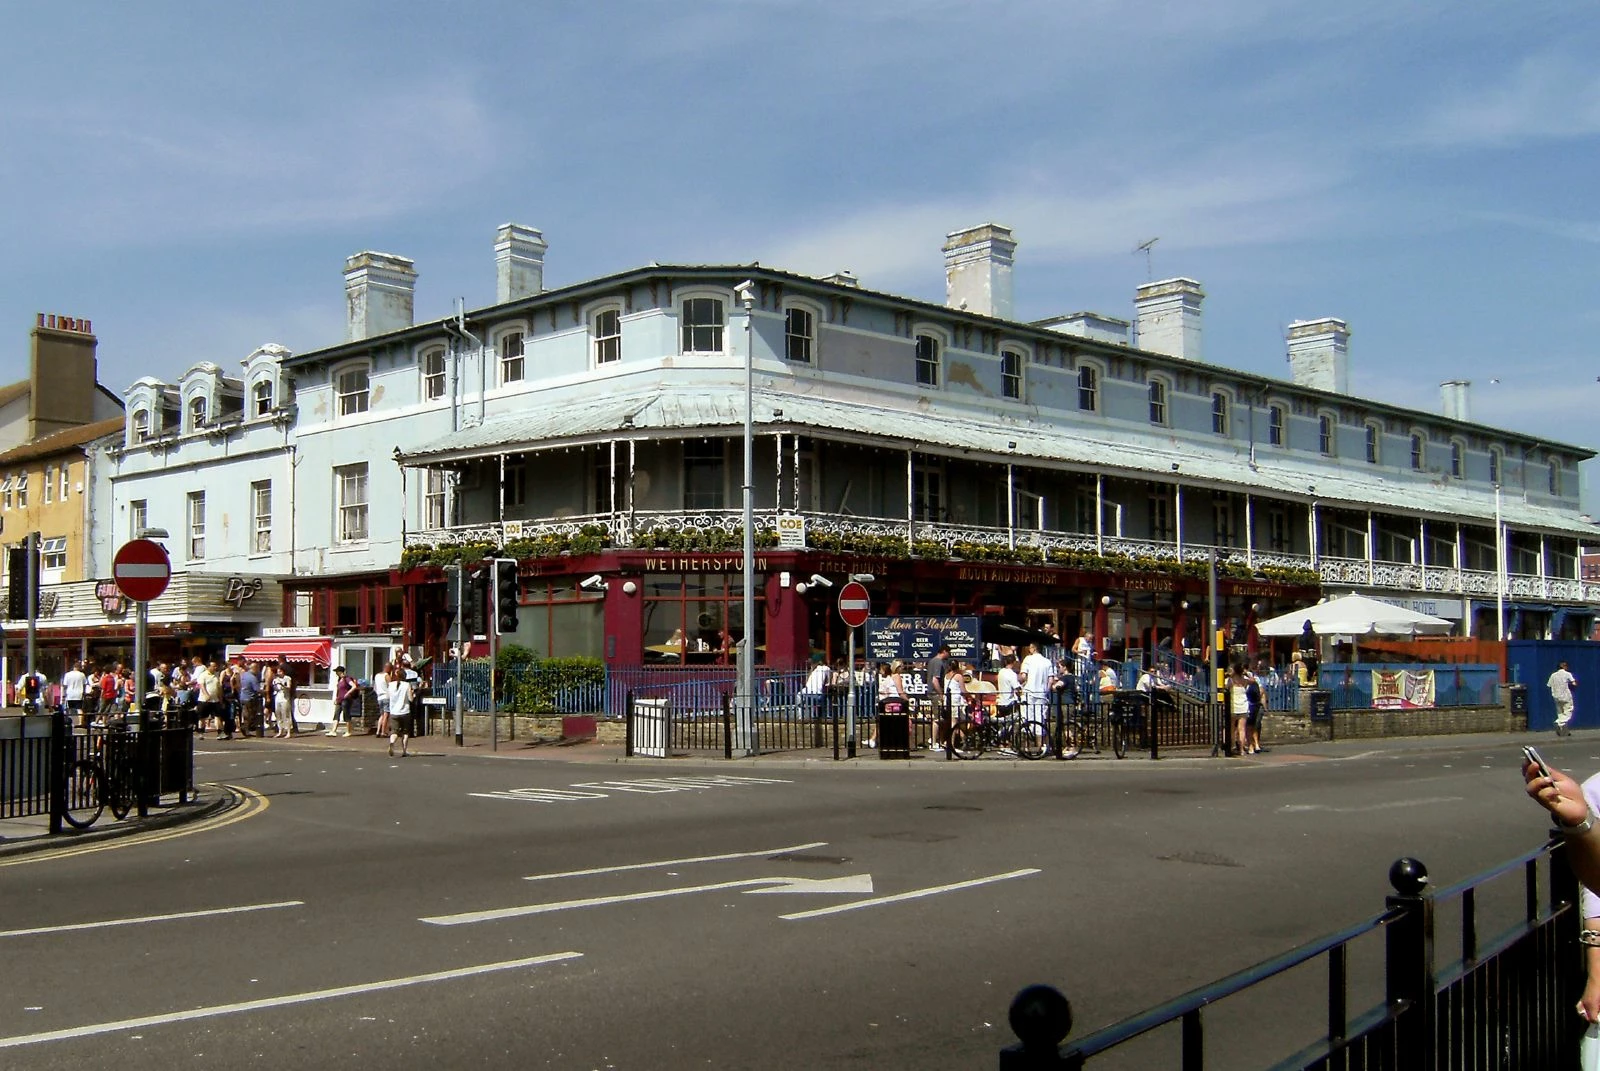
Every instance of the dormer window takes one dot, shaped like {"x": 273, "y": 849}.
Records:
{"x": 197, "y": 412}
{"x": 261, "y": 398}
{"x": 140, "y": 432}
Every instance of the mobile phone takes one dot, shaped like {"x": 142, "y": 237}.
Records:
{"x": 1532, "y": 755}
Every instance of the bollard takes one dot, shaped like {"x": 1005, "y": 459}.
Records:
{"x": 1041, "y": 1018}
{"x": 1410, "y": 977}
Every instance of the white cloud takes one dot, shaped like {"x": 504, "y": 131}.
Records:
{"x": 1544, "y": 97}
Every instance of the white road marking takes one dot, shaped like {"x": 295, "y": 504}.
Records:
{"x": 599, "y": 790}
{"x": 798, "y": 885}
{"x": 1389, "y": 806}
{"x": 914, "y": 894}
{"x": 673, "y": 862}
{"x": 279, "y": 1002}
{"x": 150, "y": 918}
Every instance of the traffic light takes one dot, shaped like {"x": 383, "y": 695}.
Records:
{"x": 477, "y": 604}
{"x": 17, "y": 589}
{"x": 507, "y": 596}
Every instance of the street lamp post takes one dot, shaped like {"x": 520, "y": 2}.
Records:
{"x": 1499, "y": 569}
{"x": 747, "y": 649}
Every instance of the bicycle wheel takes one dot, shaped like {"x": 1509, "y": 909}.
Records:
{"x": 85, "y": 800}
{"x": 1119, "y": 737}
{"x": 1032, "y": 739}
{"x": 966, "y": 741}
{"x": 119, "y": 797}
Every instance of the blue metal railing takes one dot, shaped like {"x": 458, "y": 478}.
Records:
{"x": 1453, "y": 685}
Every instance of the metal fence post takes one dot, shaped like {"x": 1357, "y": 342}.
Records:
{"x": 142, "y": 762}
{"x": 727, "y": 726}
{"x": 627, "y": 723}
{"x": 1150, "y": 723}
{"x": 61, "y": 747}
{"x": 1410, "y": 979}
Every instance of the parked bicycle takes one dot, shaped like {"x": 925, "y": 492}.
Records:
{"x": 978, "y": 732}
{"x": 1125, "y": 723}
{"x": 100, "y": 781}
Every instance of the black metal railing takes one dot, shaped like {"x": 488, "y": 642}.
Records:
{"x": 39, "y": 754}
{"x": 1505, "y": 1003}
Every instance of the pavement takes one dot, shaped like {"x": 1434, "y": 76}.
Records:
{"x": 20, "y": 836}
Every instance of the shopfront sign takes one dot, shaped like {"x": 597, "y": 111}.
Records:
{"x": 918, "y": 639}
{"x": 240, "y": 590}
{"x": 1449, "y": 609}
{"x": 700, "y": 563}
{"x": 113, "y": 603}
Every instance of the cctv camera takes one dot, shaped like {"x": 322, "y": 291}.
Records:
{"x": 746, "y": 292}
{"x": 818, "y": 578}
{"x": 593, "y": 583}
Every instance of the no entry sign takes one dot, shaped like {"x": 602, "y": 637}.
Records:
{"x": 141, "y": 570}
{"x": 854, "y": 605}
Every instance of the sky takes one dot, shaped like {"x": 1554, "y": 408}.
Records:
{"x": 190, "y": 177}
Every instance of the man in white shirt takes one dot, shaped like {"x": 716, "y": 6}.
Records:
{"x": 1561, "y": 683}
{"x": 1036, "y": 677}
{"x": 72, "y": 682}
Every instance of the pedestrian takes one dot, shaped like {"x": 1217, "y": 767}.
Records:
{"x": 343, "y": 686}
{"x": 1561, "y": 684}
{"x": 73, "y": 683}
{"x": 1239, "y": 707}
{"x": 1107, "y": 683}
{"x": 1007, "y": 687}
{"x": 401, "y": 693}
{"x": 380, "y": 689}
{"x": 283, "y": 701}
{"x": 1034, "y": 678}
{"x": 889, "y": 689}
{"x": 1256, "y": 699}
{"x": 108, "y": 690}
{"x": 30, "y": 692}
{"x": 815, "y": 690}
{"x": 208, "y": 697}
{"x": 1083, "y": 653}
{"x": 250, "y": 700}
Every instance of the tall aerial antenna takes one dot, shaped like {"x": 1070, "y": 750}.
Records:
{"x": 1149, "y": 269}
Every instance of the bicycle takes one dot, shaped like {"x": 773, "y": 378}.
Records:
{"x": 977, "y": 732}
{"x": 92, "y": 787}
{"x": 1126, "y": 725}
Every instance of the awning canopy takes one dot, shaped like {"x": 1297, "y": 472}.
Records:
{"x": 1355, "y": 615}
{"x": 318, "y": 651}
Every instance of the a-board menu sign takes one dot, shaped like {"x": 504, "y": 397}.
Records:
{"x": 917, "y": 639}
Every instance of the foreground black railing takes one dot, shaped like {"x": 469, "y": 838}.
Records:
{"x": 1505, "y": 1003}
{"x": 48, "y": 768}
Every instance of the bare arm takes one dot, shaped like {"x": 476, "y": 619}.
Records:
{"x": 1563, "y": 798}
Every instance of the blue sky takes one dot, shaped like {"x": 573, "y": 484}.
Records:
{"x": 191, "y": 177}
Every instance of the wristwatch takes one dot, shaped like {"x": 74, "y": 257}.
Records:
{"x": 1579, "y": 829}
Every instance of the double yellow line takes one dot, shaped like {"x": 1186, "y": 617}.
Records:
{"x": 253, "y": 804}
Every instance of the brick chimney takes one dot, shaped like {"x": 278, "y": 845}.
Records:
{"x": 518, "y": 262}
{"x": 380, "y": 290}
{"x": 1167, "y": 318}
{"x": 1319, "y": 354}
{"x": 977, "y": 269}
{"x": 62, "y": 375}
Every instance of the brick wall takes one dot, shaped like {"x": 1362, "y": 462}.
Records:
{"x": 1373, "y": 724}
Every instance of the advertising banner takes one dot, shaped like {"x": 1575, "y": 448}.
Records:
{"x": 1402, "y": 689}
{"x": 917, "y": 639}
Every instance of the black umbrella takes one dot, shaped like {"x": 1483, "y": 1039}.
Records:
{"x": 998, "y": 630}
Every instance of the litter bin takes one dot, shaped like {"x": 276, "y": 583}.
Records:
{"x": 1321, "y": 705}
{"x": 894, "y": 729}
{"x": 1517, "y": 698}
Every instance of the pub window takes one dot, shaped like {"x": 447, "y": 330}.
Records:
{"x": 433, "y": 375}
{"x": 1088, "y": 388}
{"x": 1418, "y": 457}
{"x": 799, "y": 334}
{"x": 702, "y": 325}
{"x": 927, "y": 490}
{"x": 607, "y": 336}
{"x": 704, "y": 474}
{"x": 697, "y": 618}
{"x": 1219, "y": 412}
{"x": 1275, "y": 422}
{"x": 1372, "y": 444}
{"x": 1158, "y": 402}
{"x": 1455, "y": 460}
{"x": 1161, "y": 516}
{"x": 1494, "y": 465}
{"x": 1011, "y": 374}
{"x": 927, "y": 361}
{"x": 511, "y": 359}
{"x": 1326, "y": 442}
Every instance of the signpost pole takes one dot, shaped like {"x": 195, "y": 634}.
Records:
{"x": 142, "y": 570}
{"x": 31, "y": 543}
{"x": 850, "y": 702}
{"x": 461, "y": 632}
{"x": 141, "y": 677}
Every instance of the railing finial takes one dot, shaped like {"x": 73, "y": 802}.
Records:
{"x": 1040, "y": 1017}
{"x": 1408, "y": 876}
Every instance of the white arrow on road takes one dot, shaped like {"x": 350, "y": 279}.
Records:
{"x": 848, "y": 885}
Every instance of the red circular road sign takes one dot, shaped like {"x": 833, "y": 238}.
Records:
{"x": 141, "y": 569}
{"x": 854, "y": 604}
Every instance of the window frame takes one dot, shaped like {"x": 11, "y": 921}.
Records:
{"x": 600, "y": 343}
{"x": 433, "y": 381}
{"x": 65, "y": 477}
{"x": 49, "y": 482}
{"x": 1419, "y": 451}
{"x": 1327, "y": 434}
{"x": 1159, "y": 408}
{"x": 139, "y": 427}
{"x": 1011, "y": 385}
{"x": 807, "y": 338}
{"x": 1555, "y": 477}
{"x": 53, "y": 547}
{"x": 351, "y": 516}
{"x": 1089, "y": 392}
{"x": 1277, "y": 424}
{"x": 435, "y": 500}
{"x": 196, "y": 412}
{"x": 928, "y": 371}
{"x": 1222, "y": 412}
{"x": 22, "y": 490}
{"x": 345, "y": 401}
{"x": 138, "y": 517}
{"x": 1458, "y": 459}
{"x": 713, "y": 458}
{"x": 260, "y": 522}
{"x": 928, "y": 489}
{"x": 507, "y": 363}
{"x": 1497, "y": 462}
{"x": 688, "y": 340}
{"x": 195, "y": 525}
{"x": 262, "y": 398}
{"x": 1373, "y": 445}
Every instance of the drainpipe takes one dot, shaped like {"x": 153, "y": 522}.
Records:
{"x": 459, "y": 328}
